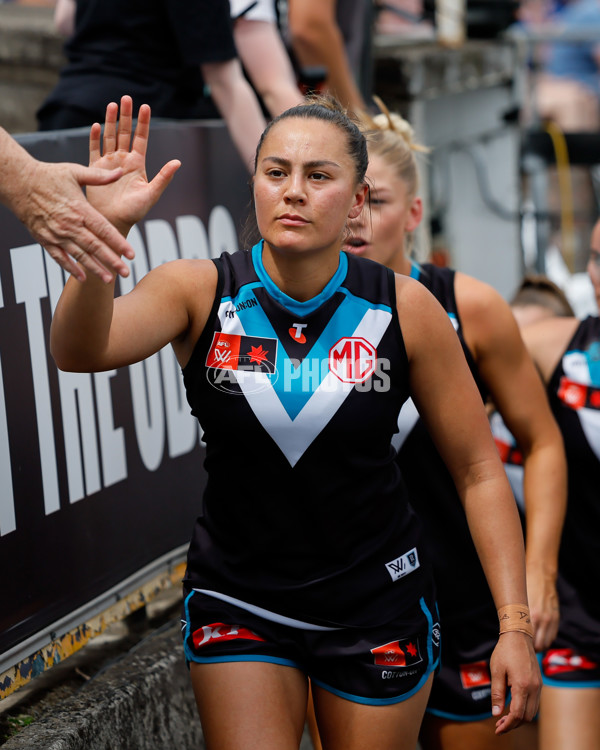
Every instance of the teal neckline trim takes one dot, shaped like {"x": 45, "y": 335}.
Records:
{"x": 293, "y": 305}
{"x": 415, "y": 270}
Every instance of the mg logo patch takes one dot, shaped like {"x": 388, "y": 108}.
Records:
{"x": 353, "y": 360}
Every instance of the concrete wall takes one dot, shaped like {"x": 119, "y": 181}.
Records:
{"x": 31, "y": 54}
{"x": 142, "y": 702}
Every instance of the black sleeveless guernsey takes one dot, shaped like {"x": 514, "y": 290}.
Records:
{"x": 574, "y": 393}
{"x": 304, "y": 512}
{"x": 460, "y": 581}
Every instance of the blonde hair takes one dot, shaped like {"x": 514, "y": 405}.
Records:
{"x": 390, "y": 136}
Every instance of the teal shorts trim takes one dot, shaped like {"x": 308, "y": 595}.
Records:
{"x": 372, "y": 666}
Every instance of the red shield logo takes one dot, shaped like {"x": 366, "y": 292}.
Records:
{"x": 353, "y": 359}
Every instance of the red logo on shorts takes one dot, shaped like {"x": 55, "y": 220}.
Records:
{"x": 560, "y": 660}
{"x": 218, "y": 631}
{"x": 397, "y": 653}
{"x": 476, "y": 674}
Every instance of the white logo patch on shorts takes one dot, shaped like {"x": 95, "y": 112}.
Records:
{"x": 404, "y": 564}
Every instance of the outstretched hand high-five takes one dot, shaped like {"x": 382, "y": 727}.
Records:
{"x": 128, "y": 200}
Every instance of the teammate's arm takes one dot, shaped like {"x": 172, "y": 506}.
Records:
{"x": 448, "y": 400}
{"x": 519, "y": 395}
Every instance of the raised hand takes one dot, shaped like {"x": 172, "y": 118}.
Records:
{"x": 128, "y": 200}
{"x": 48, "y": 199}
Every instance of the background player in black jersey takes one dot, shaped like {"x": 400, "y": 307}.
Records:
{"x": 459, "y": 712}
{"x": 308, "y": 182}
{"x": 567, "y": 353}
{"x": 536, "y": 298}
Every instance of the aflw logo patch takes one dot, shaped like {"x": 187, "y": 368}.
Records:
{"x": 560, "y": 660}
{"x": 218, "y": 631}
{"x": 404, "y": 564}
{"x": 231, "y": 351}
{"x": 403, "y": 653}
{"x": 577, "y": 395}
{"x": 476, "y": 674}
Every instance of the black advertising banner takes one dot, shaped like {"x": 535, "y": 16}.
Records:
{"x": 101, "y": 474}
